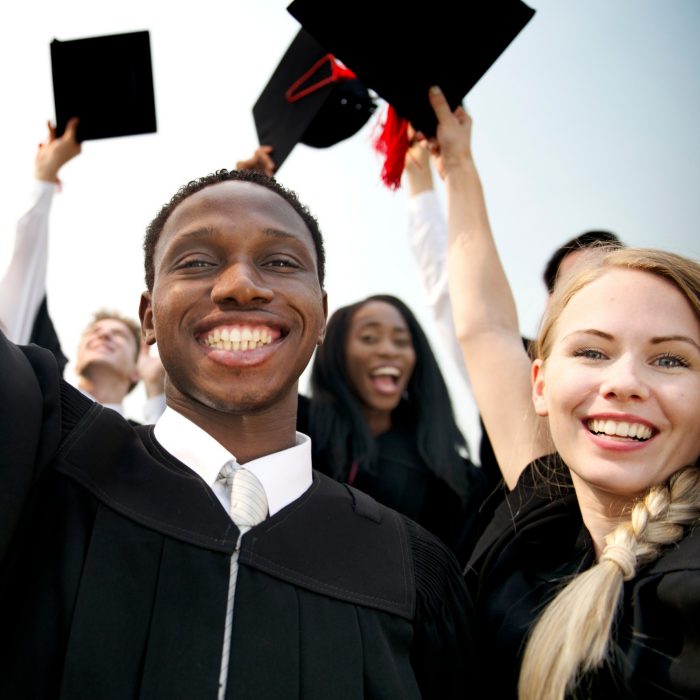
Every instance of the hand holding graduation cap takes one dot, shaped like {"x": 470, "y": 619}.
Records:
{"x": 451, "y": 145}
{"x": 260, "y": 160}
{"x": 55, "y": 152}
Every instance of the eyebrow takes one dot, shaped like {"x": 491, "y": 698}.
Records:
{"x": 208, "y": 231}
{"x": 657, "y": 340}
{"x": 372, "y": 322}
{"x": 681, "y": 338}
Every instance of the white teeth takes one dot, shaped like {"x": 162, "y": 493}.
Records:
{"x": 386, "y": 371}
{"x": 637, "y": 431}
{"x": 246, "y": 338}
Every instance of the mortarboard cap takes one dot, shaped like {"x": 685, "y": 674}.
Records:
{"x": 393, "y": 52}
{"x": 312, "y": 99}
{"x": 105, "y": 81}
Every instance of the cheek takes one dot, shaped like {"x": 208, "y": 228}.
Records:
{"x": 565, "y": 392}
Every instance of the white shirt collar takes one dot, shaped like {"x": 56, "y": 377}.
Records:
{"x": 285, "y": 475}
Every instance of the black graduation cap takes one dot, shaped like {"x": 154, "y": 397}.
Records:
{"x": 311, "y": 98}
{"x": 394, "y": 52}
{"x": 105, "y": 81}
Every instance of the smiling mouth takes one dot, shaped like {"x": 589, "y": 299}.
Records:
{"x": 622, "y": 429}
{"x": 240, "y": 338}
{"x": 385, "y": 379}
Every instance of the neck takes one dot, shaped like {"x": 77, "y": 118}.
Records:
{"x": 379, "y": 421}
{"x": 247, "y": 435}
{"x": 104, "y": 385}
{"x": 602, "y": 512}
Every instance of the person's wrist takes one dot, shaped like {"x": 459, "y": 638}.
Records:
{"x": 46, "y": 175}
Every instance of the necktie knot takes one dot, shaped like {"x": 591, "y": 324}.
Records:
{"x": 248, "y": 499}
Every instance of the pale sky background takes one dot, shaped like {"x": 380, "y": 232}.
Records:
{"x": 590, "y": 119}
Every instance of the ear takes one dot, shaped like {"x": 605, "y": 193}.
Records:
{"x": 146, "y": 316}
{"x": 322, "y": 330}
{"x": 538, "y": 386}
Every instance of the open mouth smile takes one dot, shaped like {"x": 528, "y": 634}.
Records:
{"x": 240, "y": 337}
{"x": 620, "y": 429}
{"x": 385, "y": 379}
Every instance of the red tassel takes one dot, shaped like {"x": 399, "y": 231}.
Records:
{"x": 393, "y": 143}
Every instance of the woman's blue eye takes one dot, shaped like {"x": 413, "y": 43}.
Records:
{"x": 670, "y": 361}
{"x": 589, "y": 354}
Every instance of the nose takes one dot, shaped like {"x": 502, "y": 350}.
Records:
{"x": 387, "y": 348}
{"x": 624, "y": 381}
{"x": 240, "y": 284}
{"x": 104, "y": 334}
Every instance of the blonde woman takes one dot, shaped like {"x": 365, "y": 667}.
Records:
{"x": 587, "y": 581}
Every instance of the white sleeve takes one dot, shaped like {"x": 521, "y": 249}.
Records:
{"x": 427, "y": 234}
{"x": 23, "y": 285}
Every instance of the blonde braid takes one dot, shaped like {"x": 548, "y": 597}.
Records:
{"x": 573, "y": 634}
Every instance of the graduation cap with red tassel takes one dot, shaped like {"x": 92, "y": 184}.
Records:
{"x": 400, "y": 55}
{"x": 311, "y": 98}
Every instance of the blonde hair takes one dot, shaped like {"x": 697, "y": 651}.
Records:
{"x": 572, "y": 636}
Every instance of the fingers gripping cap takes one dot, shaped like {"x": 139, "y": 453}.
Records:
{"x": 311, "y": 98}
{"x": 105, "y": 81}
{"x": 395, "y": 55}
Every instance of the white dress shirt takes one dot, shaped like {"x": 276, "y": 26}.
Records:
{"x": 285, "y": 475}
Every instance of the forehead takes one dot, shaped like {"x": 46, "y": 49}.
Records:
{"x": 234, "y": 206}
{"x": 379, "y": 313}
{"x": 630, "y": 301}
{"x": 109, "y": 324}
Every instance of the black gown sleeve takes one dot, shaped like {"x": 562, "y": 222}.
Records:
{"x": 29, "y": 426}
{"x": 442, "y": 653}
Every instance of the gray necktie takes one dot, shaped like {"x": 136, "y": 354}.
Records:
{"x": 248, "y": 508}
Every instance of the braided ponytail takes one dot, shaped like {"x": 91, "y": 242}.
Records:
{"x": 573, "y": 634}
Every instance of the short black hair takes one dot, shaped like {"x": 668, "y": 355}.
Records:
{"x": 155, "y": 228}
{"x": 587, "y": 239}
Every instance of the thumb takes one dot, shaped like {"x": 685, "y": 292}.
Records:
{"x": 439, "y": 103}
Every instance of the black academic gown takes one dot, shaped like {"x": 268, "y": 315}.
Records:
{"x": 114, "y": 561}
{"x": 535, "y": 542}
{"x": 400, "y": 479}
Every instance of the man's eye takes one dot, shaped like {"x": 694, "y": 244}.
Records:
{"x": 282, "y": 263}
{"x": 670, "y": 361}
{"x": 194, "y": 263}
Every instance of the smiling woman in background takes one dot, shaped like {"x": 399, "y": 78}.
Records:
{"x": 380, "y": 419}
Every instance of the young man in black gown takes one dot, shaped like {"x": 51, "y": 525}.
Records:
{"x": 116, "y": 542}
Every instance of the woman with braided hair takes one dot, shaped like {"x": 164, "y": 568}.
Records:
{"x": 587, "y": 581}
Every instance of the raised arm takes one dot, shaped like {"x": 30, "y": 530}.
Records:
{"x": 427, "y": 237}
{"x": 485, "y": 315}
{"x": 23, "y": 286}
{"x": 260, "y": 160}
